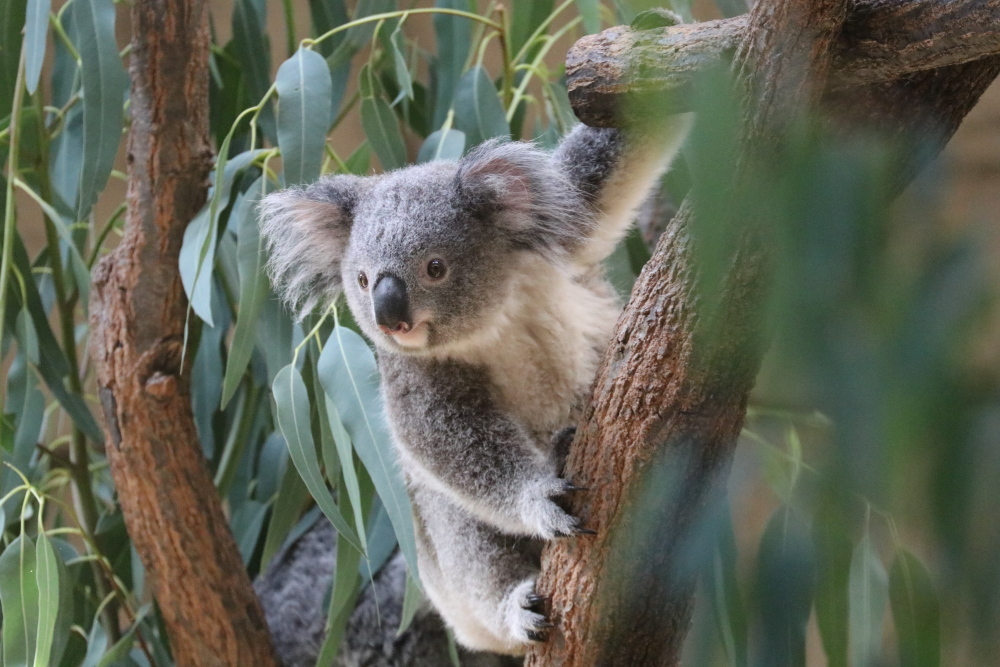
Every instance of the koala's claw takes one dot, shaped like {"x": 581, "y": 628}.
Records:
{"x": 536, "y": 603}
{"x": 539, "y": 636}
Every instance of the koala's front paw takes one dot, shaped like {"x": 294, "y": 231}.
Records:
{"x": 526, "y": 618}
{"x": 542, "y": 513}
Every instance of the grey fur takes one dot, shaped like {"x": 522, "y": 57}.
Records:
{"x": 502, "y": 350}
{"x": 292, "y": 592}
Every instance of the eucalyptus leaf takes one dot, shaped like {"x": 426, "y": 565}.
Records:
{"x": 412, "y": 599}
{"x": 350, "y": 377}
{"x": 478, "y": 110}
{"x": 292, "y": 494}
{"x": 526, "y": 16}
{"x": 442, "y": 145}
{"x": 292, "y": 400}
{"x": 49, "y": 586}
{"x": 833, "y": 553}
{"x": 453, "y": 36}
{"x": 382, "y": 130}
{"x": 869, "y": 592}
{"x": 11, "y": 22}
{"x": 35, "y": 30}
{"x": 304, "y": 115}
{"x": 19, "y": 600}
{"x": 402, "y": 69}
{"x": 27, "y": 336}
{"x": 254, "y": 288}
{"x": 916, "y": 612}
{"x": 92, "y": 29}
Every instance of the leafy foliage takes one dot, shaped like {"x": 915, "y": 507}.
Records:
{"x": 290, "y": 414}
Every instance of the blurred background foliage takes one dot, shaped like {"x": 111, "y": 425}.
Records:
{"x": 860, "y": 524}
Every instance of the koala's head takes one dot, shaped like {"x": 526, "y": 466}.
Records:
{"x": 425, "y": 255}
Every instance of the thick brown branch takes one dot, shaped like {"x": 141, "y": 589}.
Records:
{"x": 881, "y": 40}
{"x": 671, "y": 394}
{"x": 171, "y": 508}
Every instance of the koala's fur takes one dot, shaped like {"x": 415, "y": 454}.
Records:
{"x": 494, "y": 359}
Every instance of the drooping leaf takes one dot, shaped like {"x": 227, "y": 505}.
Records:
{"x": 35, "y": 29}
{"x": 403, "y": 78}
{"x": 478, "y": 110}
{"x": 590, "y": 12}
{"x": 27, "y": 336}
{"x": 442, "y": 145}
{"x": 11, "y": 22}
{"x": 869, "y": 592}
{"x": 91, "y": 26}
{"x": 345, "y": 453}
{"x": 412, "y": 598}
{"x": 833, "y": 556}
{"x": 727, "y": 603}
{"x": 382, "y": 129}
{"x": 292, "y": 400}
{"x": 19, "y": 599}
{"x": 453, "y": 35}
{"x": 50, "y": 584}
{"x": 292, "y": 494}
{"x": 304, "y": 115}
{"x": 350, "y": 377}
{"x": 197, "y": 256}
{"x": 526, "y": 16}
{"x": 253, "y": 49}
{"x": 916, "y": 612}
{"x": 253, "y": 286}
{"x": 785, "y": 583}
{"x": 246, "y": 524}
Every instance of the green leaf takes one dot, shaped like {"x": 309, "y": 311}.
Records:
{"x": 254, "y": 288}
{"x": 833, "y": 552}
{"x": 253, "y": 50}
{"x": 35, "y": 29}
{"x": 403, "y": 78}
{"x": 103, "y": 82}
{"x": 11, "y": 22}
{"x": 869, "y": 591}
{"x": 916, "y": 612}
{"x": 785, "y": 583}
{"x": 478, "y": 110}
{"x": 49, "y": 586}
{"x": 345, "y": 455}
{"x": 412, "y": 597}
{"x": 197, "y": 256}
{"x": 442, "y": 145}
{"x": 19, "y": 599}
{"x": 246, "y": 523}
{"x": 727, "y": 603}
{"x": 382, "y": 129}
{"x": 53, "y": 368}
{"x": 292, "y": 400}
{"x": 292, "y": 495}
{"x": 27, "y": 336}
{"x": 526, "y": 16}
{"x": 349, "y": 375}
{"x": 590, "y": 12}
{"x": 304, "y": 115}
{"x": 453, "y": 35}
{"x": 360, "y": 161}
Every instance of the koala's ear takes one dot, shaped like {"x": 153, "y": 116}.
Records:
{"x": 306, "y": 231}
{"x": 524, "y": 191}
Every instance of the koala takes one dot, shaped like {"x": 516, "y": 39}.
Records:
{"x": 481, "y": 284}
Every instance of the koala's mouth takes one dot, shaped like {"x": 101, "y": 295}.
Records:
{"x": 409, "y": 337}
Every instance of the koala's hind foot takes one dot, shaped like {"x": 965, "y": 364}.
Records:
{"x": 525, "y": 613}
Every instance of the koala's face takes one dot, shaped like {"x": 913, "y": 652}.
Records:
{"x": 423, "y": 269}
{"x": 426, "y": 255}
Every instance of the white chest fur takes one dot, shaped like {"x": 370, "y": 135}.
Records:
{"x": 544, "y": 347}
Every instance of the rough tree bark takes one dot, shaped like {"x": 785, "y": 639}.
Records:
{"x": 171, "y": 508}
{"x": 881, "y": 40}
{"x": 671, "y": 394}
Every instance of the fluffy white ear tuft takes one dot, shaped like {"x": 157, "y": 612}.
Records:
{"x": 306, "y": 231}
{"x": 517, "y": 185}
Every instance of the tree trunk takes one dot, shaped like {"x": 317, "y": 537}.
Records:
{"x": 138, "y": 310}
{"x": 669, "y": 400}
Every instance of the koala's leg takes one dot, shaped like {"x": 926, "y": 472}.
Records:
{"x": 482, "y": 581}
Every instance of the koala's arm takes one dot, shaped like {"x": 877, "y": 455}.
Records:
{"x": 616, "y": 171}
{"x": 454, "y": 439}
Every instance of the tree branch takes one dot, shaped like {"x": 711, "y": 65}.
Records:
{"x": 881, "y": 40}
{"x": 670, "y": 397}
{"x": 138, "y": 310}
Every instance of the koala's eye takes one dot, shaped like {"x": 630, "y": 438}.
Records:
{"x": 363, "y": 280}
{"x": 436, "y": 269}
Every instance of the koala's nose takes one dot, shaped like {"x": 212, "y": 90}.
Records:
{"x": 392, "y": 305}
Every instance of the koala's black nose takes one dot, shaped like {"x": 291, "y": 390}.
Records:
{"x": 392, "y": 305}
